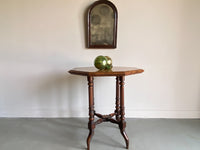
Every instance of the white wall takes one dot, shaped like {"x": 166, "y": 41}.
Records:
{"x": 40, "y": 40}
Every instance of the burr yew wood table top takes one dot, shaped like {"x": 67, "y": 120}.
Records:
{"x": 119, "y": 112}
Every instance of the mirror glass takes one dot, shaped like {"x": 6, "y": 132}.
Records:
{"x": 102, "y": 24}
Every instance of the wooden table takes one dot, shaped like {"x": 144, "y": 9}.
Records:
{"x": 119, "y": 113}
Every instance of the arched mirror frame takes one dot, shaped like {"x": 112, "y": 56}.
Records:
{"x": 114, "y": 43}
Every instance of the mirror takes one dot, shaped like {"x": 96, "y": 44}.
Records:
{"x": 102, "y": 25}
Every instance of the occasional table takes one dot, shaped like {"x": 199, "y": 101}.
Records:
{"x": 119, "y": 113}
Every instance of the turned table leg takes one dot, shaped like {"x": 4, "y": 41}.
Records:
{"x": 122, "y": 124}
{"x": 91, "y": 124}
{"x": 117, "y": 107}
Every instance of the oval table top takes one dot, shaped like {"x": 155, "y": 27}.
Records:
{"x": 115, "y": 71}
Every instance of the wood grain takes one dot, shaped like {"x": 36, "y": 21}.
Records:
{"x": 115, "y": 71}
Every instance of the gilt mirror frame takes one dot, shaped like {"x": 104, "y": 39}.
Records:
{"x": 102, "y": 19}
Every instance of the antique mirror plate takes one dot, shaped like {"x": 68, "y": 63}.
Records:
{"x": 102, "y": 25}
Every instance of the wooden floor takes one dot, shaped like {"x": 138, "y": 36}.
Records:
{"x": 71, "y": 134}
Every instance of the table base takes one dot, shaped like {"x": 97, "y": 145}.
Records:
{"x": 119, "y": 113}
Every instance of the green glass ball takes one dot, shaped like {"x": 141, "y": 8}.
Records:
{"x": 109, "y": 60}
{"x": 109, "y": 63}
{"x": 108, "y": 67}
{"x": 100, "y": 62}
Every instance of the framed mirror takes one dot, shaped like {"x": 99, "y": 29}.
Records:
{"x": 102, "y": 25}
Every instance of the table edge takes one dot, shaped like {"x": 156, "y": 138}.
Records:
{"x": 119, "y": 73}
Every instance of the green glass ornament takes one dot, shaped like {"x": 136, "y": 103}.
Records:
{"x": 109, "y": 60}
{"x": 109, "y": 63}
{"x": 108, "y": 67}
{"x": 100, "y": 62}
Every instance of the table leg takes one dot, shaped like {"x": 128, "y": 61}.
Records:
{"x": 117, "y": 107}
{"x": 91, "y": 124}
{"x": 122, "y": 123}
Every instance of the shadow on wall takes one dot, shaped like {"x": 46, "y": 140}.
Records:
{"x": 61, "y": 95}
